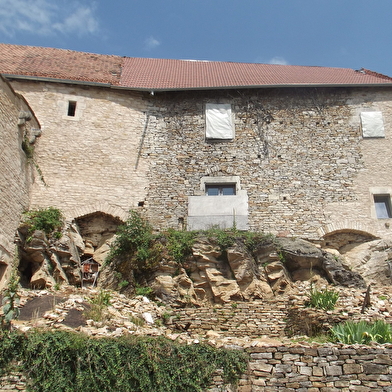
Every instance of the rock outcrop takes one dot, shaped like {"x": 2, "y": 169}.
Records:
{"x": 237, "y": 274}
{"x": 46, "y": 262}
{"x": 210, "y": 274}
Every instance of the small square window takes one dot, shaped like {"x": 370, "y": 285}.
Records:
{"x": 71, "y": 108}
{"x": 382, "y": 204}
{"x": 220, "y": 190}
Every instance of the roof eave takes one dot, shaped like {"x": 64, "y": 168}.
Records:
{"x": 200, "y": 88}
{"x": 55, "y": 80}
{"x": 173, "y": 89}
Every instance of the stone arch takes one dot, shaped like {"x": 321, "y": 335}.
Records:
{"x": 341, "y": 233}
{"x": 104, "y": 207}
{"x": 347, "y": 225}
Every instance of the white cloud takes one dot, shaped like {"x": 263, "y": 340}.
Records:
{"x": 46, "y": 17}
{"x": 151, "y": 43}
{"x": 278, "y": 60}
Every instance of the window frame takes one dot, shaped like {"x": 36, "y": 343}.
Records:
{"x": 385, "y": 201}
{"x": 221, "y": 187}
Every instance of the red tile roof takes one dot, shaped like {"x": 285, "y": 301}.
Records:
{"x": 160, "y": 74}
{"x": 179, "y": 74}
{"x": 59, "y": 64}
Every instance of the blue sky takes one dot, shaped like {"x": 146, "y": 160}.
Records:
{"x": 332, "y": 33}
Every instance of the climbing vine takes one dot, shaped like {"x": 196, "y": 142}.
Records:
{"x": 59, "y": 361}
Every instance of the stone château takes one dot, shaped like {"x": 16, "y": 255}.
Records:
{"x": 291, "y": 150}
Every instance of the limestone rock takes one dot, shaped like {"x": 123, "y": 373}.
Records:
{"x": 371, "y": 260}
{"x": 278, "y": 277}
{"x": 339, "y": 275}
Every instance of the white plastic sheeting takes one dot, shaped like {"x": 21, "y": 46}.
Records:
{"x": 219, "y": 121}
{"x": 372, "y": 124}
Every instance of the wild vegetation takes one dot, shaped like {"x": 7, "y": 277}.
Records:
{"x": 10, "y": 302}
{"x": 141, "y": 250}
{"x": 49, "y": 220}
{"x": 59, "y": 361}
{"x": 362, "y": 332}
{"x": 322, "y": 299}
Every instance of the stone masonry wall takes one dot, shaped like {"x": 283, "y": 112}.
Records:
{"x": 324, "y": 368}
{"x": 296, "y": 151}
{"x": 90, "y": 161}
{"x": 16, "y": 174}
{"x": 374, "y": 177}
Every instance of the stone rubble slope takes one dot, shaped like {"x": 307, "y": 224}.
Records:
{"x": 140, "y": 316}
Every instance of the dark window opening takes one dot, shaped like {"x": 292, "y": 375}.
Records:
{"x": 383, "y": 206}
{"x": 220, "y": 190}
{"x": 71, "y": 108}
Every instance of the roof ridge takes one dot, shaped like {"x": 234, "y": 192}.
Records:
{"x": 376, "y": 74}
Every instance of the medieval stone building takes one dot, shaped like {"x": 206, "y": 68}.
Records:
{"x": 292, "y": 150}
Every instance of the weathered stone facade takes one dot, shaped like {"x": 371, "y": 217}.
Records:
{"x": 17, "y": 122}
{"x": 298, "y": 154}
{"x": 90, "y": 161}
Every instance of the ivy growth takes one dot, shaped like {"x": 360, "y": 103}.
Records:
{"x": 28, "y": 149}
{"x": 60, "y": 361}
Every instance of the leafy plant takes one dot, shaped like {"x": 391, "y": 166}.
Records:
{"x": 124, "y": 283}
{"x": 362, "y": 332}
{"x": 135, "y": 243}
{"x": 253, "y": 239}
{"x": 10, "y": 301}
{"x": 224, "y": 238}
{"x": 49, "y": 220}
{"x": 179, "y": 244}
{"x": 98, "y": 305}
{"x": 29, "y": 149}
{"x": 322, "y": 299}
{"x": 145, "y": 291}
{"x": 60, "y": 361}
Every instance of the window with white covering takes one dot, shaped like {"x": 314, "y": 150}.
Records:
{"x": 219, "y": 121}
{"x": 372, "y": 124}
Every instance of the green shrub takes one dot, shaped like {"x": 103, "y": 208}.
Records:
{"x": 145, "y": 291}
{"x": 322, "y": 299}
{"x": 49, "y": 220}
{"x": 98, "y": 305}
{"x": 123, "y": 284}
{"x": 10, "y": 302}
{"x": 362, "y": 332}
{"x": 136, "y": 244}
{"x": 224, "y": 238}
{"x": 60, "y": 361}
{"x": 179, "y": 244}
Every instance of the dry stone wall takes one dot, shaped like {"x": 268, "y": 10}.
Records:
{"x": 16, "y": 173}
{"x": 324, "y": 368}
